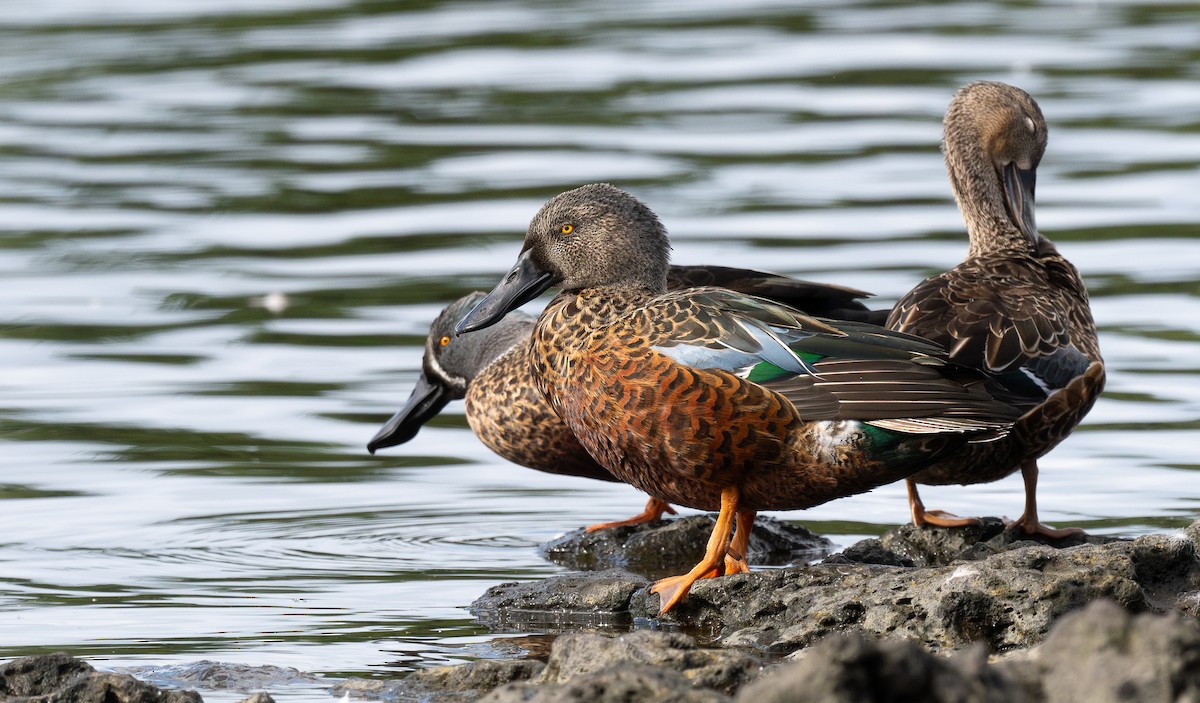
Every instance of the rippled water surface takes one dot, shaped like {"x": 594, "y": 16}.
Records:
{"x": 225, "y": 226}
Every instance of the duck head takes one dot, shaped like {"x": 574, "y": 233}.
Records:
{"x": 447, "y": 368}
{"x": 595, "y": 236}
{"x": 995, "y": 136}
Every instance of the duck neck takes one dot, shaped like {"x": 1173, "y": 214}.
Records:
{"x": 511, "y": 331}
{"x": 597, "y": 308}
{"x": 980, "y": 196}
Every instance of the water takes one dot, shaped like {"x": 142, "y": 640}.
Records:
{"x": 225, "y": 226}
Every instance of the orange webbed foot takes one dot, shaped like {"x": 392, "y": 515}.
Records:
{"x": 653, "y": 511}
{"x": 1029, "y": 519}
{"x": 937, "y": 518}
{"x": 941, "y": 518}
{"x": 671, "y": 590}
{"x": 1036, "y": 527}
{"x": 716, "y": 559}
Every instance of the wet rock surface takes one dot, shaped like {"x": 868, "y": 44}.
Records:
{"x": 581, "y": 654}
{"x": 638, "y": 666}
{"x": 909, "y": 545}
{"x": 1005, "y": 601}
{"x": 670, "y": 546}
{"x": 447, "y": 684}
{"x": 224, "y": 676}
{"x": 625, "y": 684}
{"x": 599, "y": 600}
{"x": 947, "y": 589}
{"x": 856, "y": 669}
{"x": 51, "y": 678}
{"x": 975, "y": 614}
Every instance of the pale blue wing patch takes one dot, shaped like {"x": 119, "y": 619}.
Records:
{"x": 733, "y": 354}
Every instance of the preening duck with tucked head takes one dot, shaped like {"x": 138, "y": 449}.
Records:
{"x": 1014, "y": 308}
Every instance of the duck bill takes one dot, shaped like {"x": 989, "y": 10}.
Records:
{"x": 426, "y": 401}
{"x": 1018, "y": 198}
{"x": 522, "y": 284}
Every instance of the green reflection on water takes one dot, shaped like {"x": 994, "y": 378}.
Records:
{"x": 16, "y": 491}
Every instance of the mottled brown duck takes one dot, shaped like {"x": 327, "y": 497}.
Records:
{"x": 1014, "y": 307}
{"x": 490, "y": 369}
{"x": 718, "y": 400}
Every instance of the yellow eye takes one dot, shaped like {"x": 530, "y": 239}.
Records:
{"x": 567, "y": 229}
{"x": 444, "y": 341}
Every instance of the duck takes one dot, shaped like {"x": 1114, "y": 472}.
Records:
{"x": 490, "y": 370}
{"x": 1014, "y": 308}
{"x": 718, "y": 400}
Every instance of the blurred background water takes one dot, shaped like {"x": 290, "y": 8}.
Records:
{"x": 225, "y": 226}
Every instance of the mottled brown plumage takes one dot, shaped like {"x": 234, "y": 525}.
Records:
{"x": 693, "y": 396}
{"x": 490, "y": 369}
{"x": 1014, "y": 307}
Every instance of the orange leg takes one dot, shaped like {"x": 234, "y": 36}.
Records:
{"x": 654, "y": 511}
{"x": 735, "y": 556}
{"x": 1029, "y": 520}
{"x": 672, "y": 590}
{"x": 937, "y": 518}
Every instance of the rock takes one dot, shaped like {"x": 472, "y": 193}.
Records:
{"x": 260, "y": 697}
{"x": 594, "y": 600}
{"x": 62, "y": 678}
{"x": 447, "y": 684}
{"x": 909, "y": 545}
{"x": 581, "y": 654}
{"x": 855, "y": 669}
{"x": 41, "y": 674}
{"x": 1166, "y": 566}
{"x": 1006, "y": 601}
{"x": 644, "y": 665}
{"x": 1104, "y": 654}
{"x": 670, "y": 546}
{"x": 206, "y": 674}
{"x": 630, "y": 683}
{"x": 868, "y": 551}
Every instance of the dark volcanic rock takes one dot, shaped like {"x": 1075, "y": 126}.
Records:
{"x": 909, "y": 545}
{"x": 868, "y": 551}
{"x": 447, "y": 684}
{"x": 671, "y": 546}
{"x": 1005, "y": 601}
{"x": 592, "y": 600}
{"x": 579, "y": 654}
{"x": 223, "y": 675}
{"x": 855, "y": 669}
{"x": 632, "y": 683}
{"x": 639, "y": 666}
{"x": 41, "y": 674}
{"x": 60, "y": 678}
{"x": 1104, "y": 654}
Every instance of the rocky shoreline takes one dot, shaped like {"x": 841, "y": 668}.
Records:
{"x": 976, "y": 614}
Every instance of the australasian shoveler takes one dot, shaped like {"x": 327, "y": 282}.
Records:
{"x": 491, "y": 370}
{"x": 1014, "y": 307}
{"x": 717, "y": 400}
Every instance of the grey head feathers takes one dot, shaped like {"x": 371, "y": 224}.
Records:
{"x": 456, "y": 361}
{"x": 599, "y": 235}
